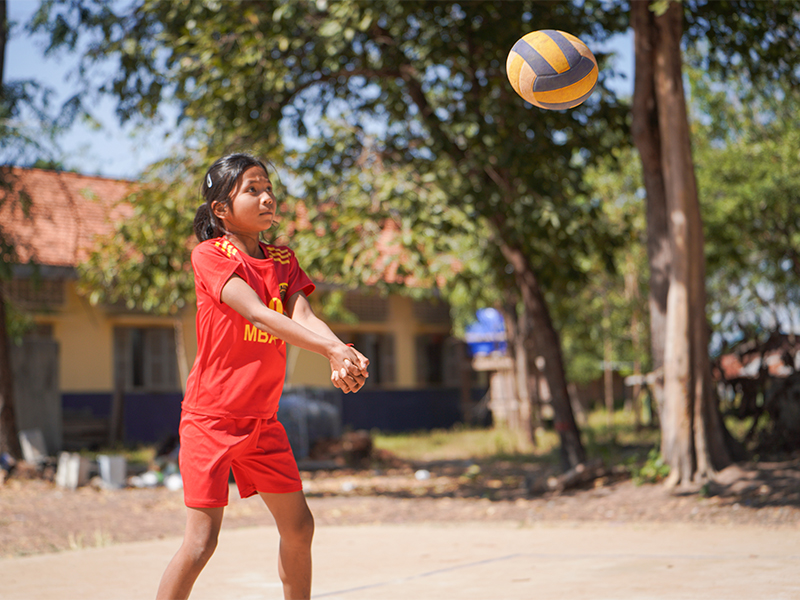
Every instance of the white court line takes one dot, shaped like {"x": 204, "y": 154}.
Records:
{"x": 542, "y": 555}
{"x": 420, "y": 575}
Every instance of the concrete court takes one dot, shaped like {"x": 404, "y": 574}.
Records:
{"x": 448, "y": 562}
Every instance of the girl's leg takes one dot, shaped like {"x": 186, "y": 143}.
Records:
{"x": 296, "y": 528}
{"x": 199, "y": 543}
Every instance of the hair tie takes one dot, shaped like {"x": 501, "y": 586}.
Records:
{"x": 208, "y": 179}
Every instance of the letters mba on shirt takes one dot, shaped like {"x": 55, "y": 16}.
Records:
{"x": 253, "y": 334}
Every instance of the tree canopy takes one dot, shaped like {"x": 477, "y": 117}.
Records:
{"x": 426, "y": 78}
{"x": 749, "y": 176}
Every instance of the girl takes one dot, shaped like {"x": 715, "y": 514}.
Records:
{"x": 251, "y": 301}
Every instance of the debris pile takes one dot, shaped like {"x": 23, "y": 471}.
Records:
{"x": 352, "y": 449}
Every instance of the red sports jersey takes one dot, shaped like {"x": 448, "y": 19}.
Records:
{"x": 239, "y": 370}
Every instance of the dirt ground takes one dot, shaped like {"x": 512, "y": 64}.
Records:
{"x": 37, "y": 517}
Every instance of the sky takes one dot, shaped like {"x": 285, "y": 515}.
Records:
{"x": 116, "y": 151}
{"x": 110, "y": 150}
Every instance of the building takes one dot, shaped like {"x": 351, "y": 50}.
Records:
{"x": 118, "y": 371}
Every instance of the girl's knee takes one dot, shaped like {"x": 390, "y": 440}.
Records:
{"x": 292, "y": 516}
{"x": 202, "y": 531}
{"x": 300, "y": 531}
{"x": 200, "y": 549}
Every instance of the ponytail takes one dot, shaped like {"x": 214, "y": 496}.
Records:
{"x": 205, "y": 224}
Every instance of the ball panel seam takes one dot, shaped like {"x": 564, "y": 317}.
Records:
{"x": 569, "y": 96}
{"x": 548, "y": 83}
{"x": 569, "y": 51}
{"x": 563, "y": 105}
{"x": 536, "y": 61}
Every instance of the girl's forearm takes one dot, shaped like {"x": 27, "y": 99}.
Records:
{"x": 291, "y": 332}
{"x": 237, "y": 294}
{"x": 318, "y": 326}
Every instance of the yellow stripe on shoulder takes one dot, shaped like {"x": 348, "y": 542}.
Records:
{"x": 226, "y": 247}
{"x": 281, "y": 255}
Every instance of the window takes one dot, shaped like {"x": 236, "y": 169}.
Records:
{"x": 367, "y": 308}
{"x": 432, "y": 312}
{"x": 440, "y": 360}
{"x": 40, "y": 331}
{"x": 430, "y": 359}
{"x": 145, "y": 359}
{"x": 36, "y": 293}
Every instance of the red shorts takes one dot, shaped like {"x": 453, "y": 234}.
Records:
{"x": 256, "y": 450}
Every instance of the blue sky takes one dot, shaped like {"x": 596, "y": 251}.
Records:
{"x": 111, "y": 150}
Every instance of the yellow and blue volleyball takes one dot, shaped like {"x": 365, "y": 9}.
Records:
{"x": 552, "y": 69}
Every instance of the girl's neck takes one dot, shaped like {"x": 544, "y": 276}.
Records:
{"x": 248, "y": 244}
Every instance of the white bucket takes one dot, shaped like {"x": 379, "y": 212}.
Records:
{"x": 113, "y": 470}
{"x": 73, "y": 470}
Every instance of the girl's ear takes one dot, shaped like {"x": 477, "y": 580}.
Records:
{"x": 220, "y": 209}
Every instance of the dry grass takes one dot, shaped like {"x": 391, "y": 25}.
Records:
{"x": 462, "y": 443}
{"x": 614, "y": 443}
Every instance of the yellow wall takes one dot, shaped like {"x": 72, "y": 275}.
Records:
{"x": 86, "y": 339}
{"x": 404, "y": 328}
{"x": 85, "y": 334}
{"x": 305, "y": 368}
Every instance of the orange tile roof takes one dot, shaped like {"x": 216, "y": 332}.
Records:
{"x": 68, "y": 211}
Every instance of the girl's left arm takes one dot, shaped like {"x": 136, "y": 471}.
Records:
{"x": 300, "y": 311}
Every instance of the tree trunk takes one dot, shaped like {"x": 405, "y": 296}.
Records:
{"x": 9, "y": 439}
{"x": 516, "y": 349}
{"x": 548, "y": 345}
{"x": 692, "y": 436}
{"x": 534, "y": 381}
{"x": 608, "y": 365}
{"x": 526, "y": 413}
{"x": 645, "y": 130}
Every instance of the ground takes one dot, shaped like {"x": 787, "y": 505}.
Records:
{"x": 36, "y": 516}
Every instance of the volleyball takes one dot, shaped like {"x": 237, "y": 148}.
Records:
{"x": 552, "y": 69}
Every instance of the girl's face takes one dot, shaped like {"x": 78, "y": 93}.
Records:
{"x": 252, "y": 206}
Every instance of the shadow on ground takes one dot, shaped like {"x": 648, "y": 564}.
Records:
{"x": 759, "y": 484}
{"x": 755, "y": 484}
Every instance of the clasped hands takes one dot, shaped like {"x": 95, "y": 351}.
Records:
{"x": 348, "y": 369}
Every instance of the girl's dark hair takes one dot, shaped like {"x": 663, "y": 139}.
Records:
{"x": 220, "y": 181}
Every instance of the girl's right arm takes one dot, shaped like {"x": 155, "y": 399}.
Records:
{"x": 237, "y": 294}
